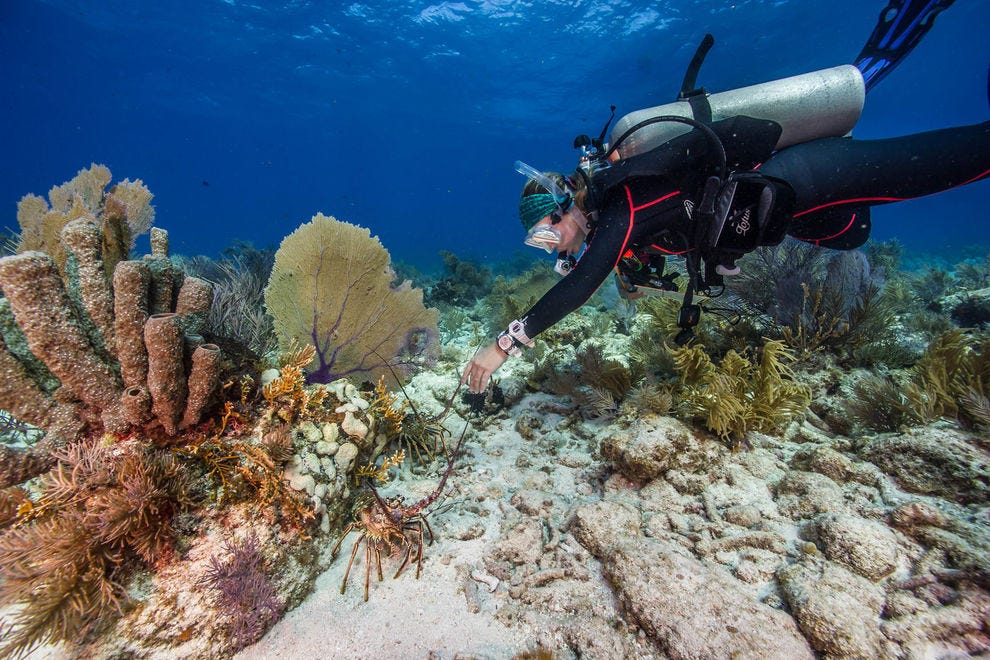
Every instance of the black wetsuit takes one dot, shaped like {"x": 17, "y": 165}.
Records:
{"x": 826, "y": 186}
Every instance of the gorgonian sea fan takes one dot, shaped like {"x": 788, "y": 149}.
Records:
{"x": 332, "y": 286}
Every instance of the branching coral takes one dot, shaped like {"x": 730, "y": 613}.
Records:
{"x": 332, "y": 286}
{"x": 818, "y": 300}
{"x": 286, "y": 394}
{"x": 379, "y": 473}
{"x": 122, "y": 214}
{"x": 651, "y": 397}
{"x": 604, "y": 374}
{"x": 739, "y": 395}
{"x": 951, "y": 380}
{"x": 952, "y": 368}
{"x": 420, "y": 437}
{"x": 596, "y": 383}
{"x": 238, "y": 310}
{"x": 463, "y": 282}
{"x": 877, "y": 403}
{"x": 930, "y": 285}
{"x": 509, "y": 299}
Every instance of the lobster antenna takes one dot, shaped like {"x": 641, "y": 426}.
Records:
{"x": 398, "y": 381}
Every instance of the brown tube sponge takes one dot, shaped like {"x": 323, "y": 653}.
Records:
{"x": 82, "y": 239}
{"x": 20, "y": 395}
{"x": 42, "y": 309}
{"x": 159, "y": 242}
{"x": 162, "y": 288}
{"x": 193, "y": 305}
{"x": 136, "y": 403}
{"x": 19, "y": 465}
{"x": 166, "y": 375}
{"x": 130, "y": 295}
{"x": 203, "y": 380}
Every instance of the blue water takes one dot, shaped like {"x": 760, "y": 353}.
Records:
{"x": 246, "y": 118}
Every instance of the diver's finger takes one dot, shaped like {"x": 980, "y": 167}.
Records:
{"x": 480, "y": 381}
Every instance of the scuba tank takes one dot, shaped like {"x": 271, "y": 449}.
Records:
{"x": 825, "y": 103}
{"x": 735, "y": 211}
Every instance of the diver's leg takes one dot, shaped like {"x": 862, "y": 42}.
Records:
{"x": 838, "y": 228}
{"x": 848, "y": 173}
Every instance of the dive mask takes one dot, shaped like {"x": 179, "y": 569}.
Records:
{"x": 545, "y": 237}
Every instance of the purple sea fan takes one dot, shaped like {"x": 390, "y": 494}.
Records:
{"x": 243, "y": 591}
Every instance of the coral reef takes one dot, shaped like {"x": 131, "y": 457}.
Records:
{"x": 511, "y": 297}
{"x": 816, "y": 300}
{"x": 103, "y": 355}
{"x": 121, "y": 215}
{"x": 238, "y": 311}
{"x": 462, "y": 283}
{"x": 244, "y": 591}
{"x": 74, "y": 338}
{"x": 623, "y": 499}
{"x": 950, "y": 380}
{"x": 332, "y": 286}
{"x": 101, "y": 506}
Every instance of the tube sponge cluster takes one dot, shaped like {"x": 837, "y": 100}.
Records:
{"x": 85, "y": 351}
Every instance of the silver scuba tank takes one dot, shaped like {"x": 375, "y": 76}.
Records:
{"x": 824, "y": 103}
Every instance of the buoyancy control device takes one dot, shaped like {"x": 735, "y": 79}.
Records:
{"x": 736, "y": 210}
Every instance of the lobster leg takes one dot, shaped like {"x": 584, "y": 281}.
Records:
{"x": 405, "y": 560}
{"x": 378, "y": 561}
{"x": 428, "y": 528}
{"x": 367, "y": 569}
{"x": 343, "y": 585}
{"x": 419, "y": 538}
{"x": 347, "y": 530}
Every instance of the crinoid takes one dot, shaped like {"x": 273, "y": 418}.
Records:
{"x": 386, "y": 526}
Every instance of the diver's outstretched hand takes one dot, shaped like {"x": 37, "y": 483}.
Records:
{"x": 479, "y": 370}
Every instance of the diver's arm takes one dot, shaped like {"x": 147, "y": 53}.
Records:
{"x": 566, "y": 296}
{"x": 570, "y": 293}
{"x": 479, "y": 370}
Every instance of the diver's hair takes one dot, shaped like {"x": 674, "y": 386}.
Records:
{"x": 573, "y": 183}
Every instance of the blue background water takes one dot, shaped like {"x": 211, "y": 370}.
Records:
{"x": 244, "y": 119}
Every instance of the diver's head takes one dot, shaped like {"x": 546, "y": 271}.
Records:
{"x": 550, "y": 211}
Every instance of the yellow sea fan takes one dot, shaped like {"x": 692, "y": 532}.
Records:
{"x": 332, "y": 282}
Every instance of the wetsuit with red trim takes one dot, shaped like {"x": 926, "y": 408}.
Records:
{"x": 831, "y": 183}
{"x": 836, "y": 180}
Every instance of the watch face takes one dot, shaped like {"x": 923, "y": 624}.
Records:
{"x": 505, "y": 343}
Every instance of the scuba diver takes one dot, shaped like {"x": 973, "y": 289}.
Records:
{"x": 709, "y": 178}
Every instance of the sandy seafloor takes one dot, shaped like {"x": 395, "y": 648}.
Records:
{"x": 446, "y": 613}
{"x": 794, "y": 546}
{"x": 507, "y": 574}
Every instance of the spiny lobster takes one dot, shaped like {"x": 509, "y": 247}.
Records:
{"x": 386, "y": 524}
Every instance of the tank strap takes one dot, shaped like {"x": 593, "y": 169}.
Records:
{"x": 700, "y": 107}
